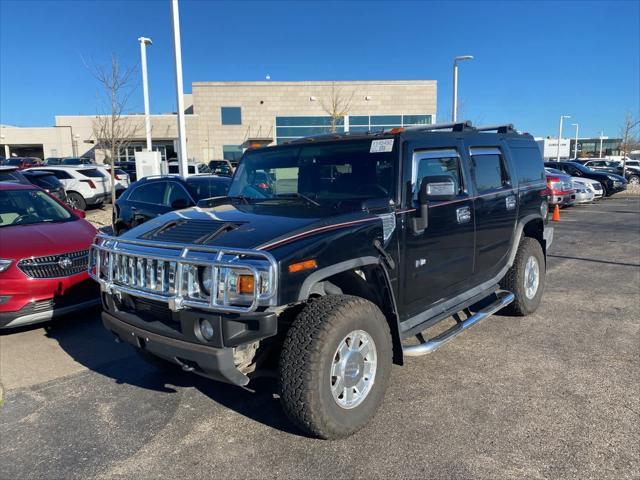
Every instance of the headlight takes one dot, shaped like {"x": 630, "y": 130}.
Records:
{"x": 206, "y": 279}
{"x": 611, "y": 177}
{"x": 4, "y": 264}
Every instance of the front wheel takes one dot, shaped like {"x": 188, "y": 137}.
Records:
{"x": 526, "y": 278}
{"x": 334, "y": 366}
{"x": 634, "y": 180}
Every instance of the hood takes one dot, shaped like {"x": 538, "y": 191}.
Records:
{"x": 24, "y": 241}
{"x": 243, "y": 226}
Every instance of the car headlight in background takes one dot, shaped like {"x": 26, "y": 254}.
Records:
{"x": 611, "y": 177}
{"x": 4, "y": 264}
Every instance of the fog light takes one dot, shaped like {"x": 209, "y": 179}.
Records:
{"x": 4, "y": 299}
{"x": 206, "y": 329}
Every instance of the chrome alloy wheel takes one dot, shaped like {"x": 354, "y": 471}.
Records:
{"x": 353, "y": 369}
{"x": 531, "y": 277}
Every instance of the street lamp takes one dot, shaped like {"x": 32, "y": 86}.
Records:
{"x": 177, "y": 55}
{"x": 562, "y": 117}
{"x": 601, "y": 137}
{"x": 575, "y": 146}
{"x": 454, "y": 108}
{"x": 145, "y": 87}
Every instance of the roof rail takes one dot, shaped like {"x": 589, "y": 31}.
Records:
{"x": 507, "y": 128}
{"x": 454, "y": 126}
{"x": 169, "y": 175}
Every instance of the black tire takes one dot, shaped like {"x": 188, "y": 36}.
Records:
{"x": 76, "y": 201}
{"x": 514, "y": 280}
{"x": 306, "y": 360}
{"x": 157, "y": 362}
{"x": 634, "y": 180}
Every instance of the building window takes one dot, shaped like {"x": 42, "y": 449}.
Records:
{"x": 366, "y": 123}
{"x": 233, "y": 153}
{"x": 290, "y": 128}
{"x": 231, "y": 115}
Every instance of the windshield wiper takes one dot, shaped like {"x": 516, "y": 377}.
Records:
{"x": 301, "y": 196}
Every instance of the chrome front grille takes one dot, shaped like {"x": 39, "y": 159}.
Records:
{"x": 55, "y": 266}
{"x": 175, "y": 273}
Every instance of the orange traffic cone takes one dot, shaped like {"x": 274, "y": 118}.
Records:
{"x": 556, "y": 214}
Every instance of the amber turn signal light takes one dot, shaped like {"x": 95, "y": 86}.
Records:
{"x": 245, "y": 284}
{"x": 305, "y": 265}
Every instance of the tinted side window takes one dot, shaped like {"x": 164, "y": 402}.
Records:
{"x": 91, "y": 172}
{"x": 528, "y": 164}
{"x": 176, "y": 192}
{"x": 438, "y": 166}
{"x": 60, "y": 174}
{"x": 489, "y": 172}
{"x": 150, "y": 193}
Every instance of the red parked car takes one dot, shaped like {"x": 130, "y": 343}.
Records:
{"x": 23, "y": 162}
{"x": 44, "y": 246}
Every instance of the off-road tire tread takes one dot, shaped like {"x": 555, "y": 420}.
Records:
{"x": 299, "y": 359}
{"x": 513, "y": 279}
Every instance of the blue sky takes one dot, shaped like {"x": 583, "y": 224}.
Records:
{"x": 533, "y": 60}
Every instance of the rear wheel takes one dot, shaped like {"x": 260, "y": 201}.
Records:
{"x": 634, "y": 180}
{"x": 334, "y": 366}
{"x": 76, "y": 201}
{"x": 526, "y": 278}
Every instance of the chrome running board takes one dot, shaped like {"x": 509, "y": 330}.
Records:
{"x": 503, "y": 298}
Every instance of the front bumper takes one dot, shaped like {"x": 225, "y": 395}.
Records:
{"x": 211, "y": 362}
{"x": 584, "y": 197}
{"x": 38, "y": 312}
{"x": 175, "y": 336}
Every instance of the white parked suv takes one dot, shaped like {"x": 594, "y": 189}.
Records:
{"x": 192, "y": 168}
{"x": 84, "y": 185}
{"x": 122, "y": 178}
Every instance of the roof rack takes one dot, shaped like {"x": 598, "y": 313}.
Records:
{"x": 507, "y": 128}
{"x": 454, "y": 126}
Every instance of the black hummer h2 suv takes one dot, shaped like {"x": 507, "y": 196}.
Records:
{"x": 327, "y": 255}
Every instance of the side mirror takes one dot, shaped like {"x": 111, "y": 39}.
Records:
{"x": 433, "y": 188}
{"x": 180, "y": 203}
{"x": 79, "y": 213}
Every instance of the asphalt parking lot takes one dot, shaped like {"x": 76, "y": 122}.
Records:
{"x": 553, "y": 395}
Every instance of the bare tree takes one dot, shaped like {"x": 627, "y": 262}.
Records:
{"x": 338, "y": 105}
{"x": 629, "y": 141}
{"x": 113, "y": 130}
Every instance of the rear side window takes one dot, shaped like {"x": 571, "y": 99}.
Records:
{"x": 529, "y": 165}
{"x": 488, "y": 169}
{"x": 60, "y": 174}
{"x": 150, "y": 193}
{"x": 91, "y": 172}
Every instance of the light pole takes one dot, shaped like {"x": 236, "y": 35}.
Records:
{"x": 177, "y": 52}
{"x": 601, "y": 137}
{"x": 454, "y": 107}
{"x": 575, "y": 146}
{"x": 145, "y": 87}
{"x": 562, "y": 117}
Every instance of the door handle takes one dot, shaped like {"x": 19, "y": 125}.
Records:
{"x": 463, "y": 214}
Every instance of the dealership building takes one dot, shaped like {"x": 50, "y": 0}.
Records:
{"x": 224, "y": 118}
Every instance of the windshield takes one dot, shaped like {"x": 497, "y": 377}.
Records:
{"x": 322, "y": 174}
{"x": 13, "y": 161}
{"x": 202, "y": 187}
{"x": 581, "y": 167}
{"x": 26, "y": 207}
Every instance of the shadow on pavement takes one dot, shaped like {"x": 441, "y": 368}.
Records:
{"x": 90, "y": 344}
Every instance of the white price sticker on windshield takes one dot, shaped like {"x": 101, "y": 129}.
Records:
{"x": 380, "y": 146}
